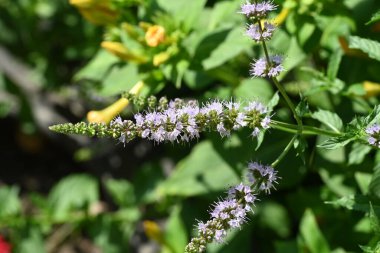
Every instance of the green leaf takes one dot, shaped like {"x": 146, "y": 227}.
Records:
{"x": 121, "y": 191}
{"x": 9, "y": 195}
{"x": 375, "y": 17}
{"x": 221, "y": 14}
{"x": 335, "y": 183}
{"x": 330, "y": 119}
{"x": 370, "y": 47}
{"x": 175, "y": 232}
{"x": 336, "y": 142}
{"x": 73, "y": 192}
{"x": 32, "y": 241}
{"x": 358, "y": 153}
{"x": 355, "y": 202}
{"x": 232, "y": 46}
{"x": 374, "y": 186}
{"x": 363, "y": 180}
{"x": 275, "y": 217}
{"x": 313, "y": 238}
{"x": 121, "y": 78}
{"x": 203, "y": 171}
{"x": 183, "y": 11}
{"x": 334, "y": 63}
{"x": 254, "y": 89}
{"x": 98, "y": 67}
{"x": 375, "y": 222}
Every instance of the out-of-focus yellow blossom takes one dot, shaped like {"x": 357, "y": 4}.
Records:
{"x": 155, "y": 35}
{"x": 371, "y": 89}
{"x": 160, "y": 58}
{"x": 153, "y": 231}
{"x": 122, "y": 52}
{"x": 281, "y": 17}
{"x": 110, "y": 112}
{"x": 98, "y": 12}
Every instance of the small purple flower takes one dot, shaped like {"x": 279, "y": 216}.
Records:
{"x": 265, "y": 175}
{"x": 260, "y": 68}
{"x": 257, "y": 11}
{"x": 222, "y": 130}
{"x": 257, "y": 34}
{"x": 373, "y": 133}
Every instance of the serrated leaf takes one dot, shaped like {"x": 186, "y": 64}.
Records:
{"x": 355, "y": 202}
{"x": 329, "y": 119}
{"x": 73, "y": 192}
{"x": 336, "y": 142}
{"x": 370, "y": 47}
{"x": 311, "y": 234}
{"x": 375, "y": 17}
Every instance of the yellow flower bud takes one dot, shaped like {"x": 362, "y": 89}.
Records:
{"x": 155, "y": 35}
{"x": 98, "y": 12}
{"x": 160, "y": 58}
{"x": 372, "y": 89}
{"x": 110, "y": 112}
{"x": 153, "y": 231}
{"x": 118, "y": 49}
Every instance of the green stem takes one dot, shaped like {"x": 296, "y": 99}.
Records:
{"x": 286, "y": 150}
{"x": 281, "y": 89}
{"x": 306, "y": 130}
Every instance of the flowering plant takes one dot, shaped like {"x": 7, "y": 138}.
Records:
{"x": 267, "y": 120}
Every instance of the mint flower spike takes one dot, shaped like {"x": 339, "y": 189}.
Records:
{"x": 260, "y": 34}
{"x": 265, "y": 176}
{"x": 227, "y": 214}
{"x": 373, "y": 135}
{"x": 257, "y": 10}
{"x": 261, "y": 68}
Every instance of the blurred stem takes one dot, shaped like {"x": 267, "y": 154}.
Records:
{"x": 286, "y": 150}
{"x": 306, "y": 130}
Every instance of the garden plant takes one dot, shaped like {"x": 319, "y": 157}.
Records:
{"x": 248, "y": 126}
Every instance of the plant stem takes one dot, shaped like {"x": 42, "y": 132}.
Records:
{"x": 306, "y": 130}
{"x": 280, "y": 88}
{"x": 286, "y": 150}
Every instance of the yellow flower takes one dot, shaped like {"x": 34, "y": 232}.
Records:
{"x": 155, "y": 35}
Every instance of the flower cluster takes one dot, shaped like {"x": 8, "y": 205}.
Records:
{"x": 374, "y": 135}
{"x": 178, "y": 120}
{"x": 270, "y": 66}
{"x": 257, "y": 10}
{"x": 263, "y": 176}
{"x": 231, "y": 213}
